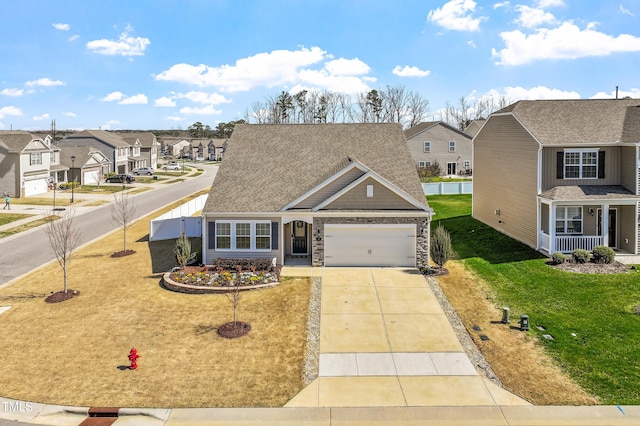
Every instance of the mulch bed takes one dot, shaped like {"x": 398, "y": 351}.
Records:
{"x": 61, "y": 296}
{"x": 233, "y": 330}
{"x": 591, "y": 268}
{"x": 123, "y": 253}
{"x": 436, "y": 272}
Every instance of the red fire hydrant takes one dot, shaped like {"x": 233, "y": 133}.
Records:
{"x": 133, "y": 357}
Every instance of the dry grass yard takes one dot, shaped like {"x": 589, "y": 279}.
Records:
{"x": 75, "y": 352}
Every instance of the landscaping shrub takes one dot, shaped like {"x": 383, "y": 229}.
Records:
{"x": 581, "y": 256}
{"x": 558, "y": 258}
{"x": 603, "y": 254}
{"x": 68, "y": 185}
{"x": 440, "y": 247}
{"x": 260, "y": 264}
{"x": 429, "y": 172}
{"x": 183, "y": 252}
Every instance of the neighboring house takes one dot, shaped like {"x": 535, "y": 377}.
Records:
{"x": 123, "y": 156}
{"x": 199, "y": 149}
{"x": 474, "y": 127}
{"x": 57, "y": 170}
{"x": 437, "y": 141}
{"x": 335, "y": 194}
{"x": 561, "y": 175}
{"x": 175, "y": 146}
{"x": 216, "y": 149}
{"x": 24, "y": 164}
{"x": 88, "y": 166}
{"x": 149, "y": 147}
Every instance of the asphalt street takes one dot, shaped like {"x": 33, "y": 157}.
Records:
{"x": 27, "y": 251}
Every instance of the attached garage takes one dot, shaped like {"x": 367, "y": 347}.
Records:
{"x": 370, "y": 245}
{"x": 90, "y": 177}
{"x": 35, "y": 187}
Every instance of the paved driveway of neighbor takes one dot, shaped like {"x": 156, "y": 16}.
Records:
{"x": 386, "y": 342}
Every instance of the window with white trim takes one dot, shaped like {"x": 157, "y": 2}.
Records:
{"x": 568, "y": 220}
{"x": 427, "y": 147}
{"x": 466, "y": 164}
{"x": 581, "y": 164}
{"x": 35, "y": 158}
{"x": 423, "y": 164}
{"x": 243, "y": 235}
{"x": 452, "y": 146}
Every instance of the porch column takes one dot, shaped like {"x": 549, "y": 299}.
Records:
{"x": 605, "y": 224}
{"x": 552, "y": 228}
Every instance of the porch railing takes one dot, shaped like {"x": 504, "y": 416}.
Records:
{"x": 566, "y": 244}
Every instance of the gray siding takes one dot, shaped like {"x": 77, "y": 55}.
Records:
{"x": 628, "y": 168}
{"x": 505, "y": 178}
{"x": 549, "y": 169}
{"x": 236, "y": 254}
{"x": 9, "y": 180}
{"x": 383, "y": 199}
{"x": 439, "y": 136}
{"x": 329, "y": 189}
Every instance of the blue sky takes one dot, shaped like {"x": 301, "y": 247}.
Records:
{"x": 164, "y": 64}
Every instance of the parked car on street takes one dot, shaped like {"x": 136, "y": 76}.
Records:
{"x": 171, "y": 166}
{"x": 121, "y": 178}
{"x": 143, "y": 171}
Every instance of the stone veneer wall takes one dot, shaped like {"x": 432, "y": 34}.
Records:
{"x": 422, "y": 234}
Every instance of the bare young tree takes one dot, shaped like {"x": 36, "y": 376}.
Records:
{"x": 123, "y": 213}
{"x": 418, "y": 108}
{"x": 64, "y": 238}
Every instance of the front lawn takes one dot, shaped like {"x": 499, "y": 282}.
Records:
{"x": 12, "y": 217}
{"x": 596, "y": 334}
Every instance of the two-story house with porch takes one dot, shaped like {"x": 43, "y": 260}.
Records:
{"x": 145, "y": 148}
{"x": 113, "y": 146}
{"x": 559, "y": 175}
{"x": 24, "y": 164}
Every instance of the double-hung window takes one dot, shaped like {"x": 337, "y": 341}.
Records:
{"x": 569, "y": 220}
{"x": 243, "y": 235}
{"x": 581, "y": 164}
{"x": 452, "y": 146}
{"x": 35, "y": 158}
{"x": 427, "y": 147}
{"x": 423, "y": 164}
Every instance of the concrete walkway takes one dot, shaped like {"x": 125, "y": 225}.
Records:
{"x": 386, "y": 342}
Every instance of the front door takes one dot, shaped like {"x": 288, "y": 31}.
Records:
{"x": 299, "y": 237}
{"x": 451, "y": 168}
{"x": 613, "y": 226}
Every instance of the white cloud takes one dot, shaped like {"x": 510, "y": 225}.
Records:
{"x": 69, "y": 114}
{"x": 12, "y": 92}
{"x": 472, "y": 43}
{"x": 113, "y": 96}
{"x": 45, "y": 82}
{"x": 62, "y": 27}
{"x": 625, "y": 11}
{"x": 74, "y": 37}
{"x": 206, "y": 110}
{"x": 174, "y": 118}
{"x": 502, "y": 4}
{"x": 204, "y": 98}
{"x": 408, "y": 71}
{"x": 346, "y": 67}
{"x": 533, "y": 18}
{"x": 126, "y": 45}
{"x": 276, "y": 68}
{"x": 633, "y": 93}
{"x": 108, "y": 125}
{"x": 322, "y": 80}
{"x": 40, "y": 117}
{"x": 543, "y": 4}
{"x": 456, "y": 15}
{"x": 520, "y": 93}
{"x": 138, "y": 99}
{"x": 164, "y": 102}
{"x": 564, "y": 42}
{"x": 9, "y": 110}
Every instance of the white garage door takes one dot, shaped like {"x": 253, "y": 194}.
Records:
{"x": 91, "y": 178}
{"x": 35, "y": 187}
{"x": 370, "y": 245}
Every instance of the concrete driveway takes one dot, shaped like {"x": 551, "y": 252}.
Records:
{"x": 386, "y": 342}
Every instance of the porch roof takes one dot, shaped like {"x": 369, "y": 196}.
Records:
{"x": 589, "y": 192}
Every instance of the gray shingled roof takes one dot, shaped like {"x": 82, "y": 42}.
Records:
{"x": 584, "y": 121}
{"x": 421, "y": 127}
{"x": 267, "y": 166}
{"x": 82, "y": 154}
{"x": 146, "y": 138}
{"x": 15, "y": 140}
{"x": 588, "y": 192}
{"x": 110, "y": 138}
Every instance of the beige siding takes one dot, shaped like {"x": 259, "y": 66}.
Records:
{"x": 628, "y": 168}
{"x": 549, "y": 162}
{"x": 383, "y": 199}
{"x": 9, "y": 170}
{"x": 505, "y": 178}
{"x": 329, "y": 189}
{"x": 234, "y": 254}
{"x": 627, "y": 235}
{"x": 439, "y": 136}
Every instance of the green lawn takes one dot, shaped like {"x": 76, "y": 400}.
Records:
{"x": 596, "y": 333}
{"x": 12, "y": 217}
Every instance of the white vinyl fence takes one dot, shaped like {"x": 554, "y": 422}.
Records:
{"x": 172, "y": 224}
{"x": 452, "y": 188}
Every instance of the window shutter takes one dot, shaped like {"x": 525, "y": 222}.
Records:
{"x": 560, "y": 165}
{"x": 601, "y": 164}
{"x": 211, "y": 233}
{"x": 274, "y": 235}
